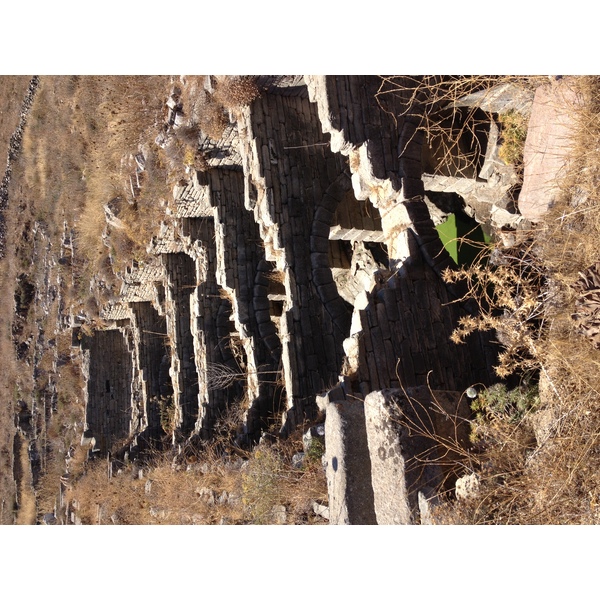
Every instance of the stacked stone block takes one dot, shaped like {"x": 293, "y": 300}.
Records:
{"x": 288, "y": 167}
{"x": 240, "y": 272}
{"x": 254, "y": 255}
{"x": 154, "y": 357}
{"x": 108, "y": 388}
{"x": 180, "y": 284}
{"x": 211, "y": 328}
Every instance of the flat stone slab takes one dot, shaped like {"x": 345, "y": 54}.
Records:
{"x": 546, "y": 147}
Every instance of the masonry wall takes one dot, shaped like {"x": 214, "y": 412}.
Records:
{"x": 405, "y": 328}
{"x": 404, "y": 335}
{"x": 154, "y": 361}
{"x": 212, "y": 329}
{"x": 290, "y": 167}
{"x": 181, "y": 283}
{"x": 243, "y": 271}
{"x": 109, "y": 398}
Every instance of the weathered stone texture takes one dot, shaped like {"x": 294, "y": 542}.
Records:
{"x": 547, "y": 147}
{"x": 402, "y": 335}
{"x": 153, "y": 354}
{"x": 211, "y": 328}
{"x": 288, "y": 163}
{"x": 408, "y": 432}
{"x": 108, "y": 388}
{"x": 348, "y": 464}
{"x": 180, "y": 283}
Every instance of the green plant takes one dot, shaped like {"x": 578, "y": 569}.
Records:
{"x": 261, "y": 485}
{"x": 513, "y": 132}
{"x": 315, "y": 451}
{"x": 499, "y": 401}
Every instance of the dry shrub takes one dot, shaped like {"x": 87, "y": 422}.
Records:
{"x": 212, "y": 119}
{"x": 511, "y": 296}
{"x": 181, "y": 154}
{"x": 234, "y": 92}
{"x": 514, "y": 132}
{"x": 269, "y": 480}
{"x": 457, "y": 134}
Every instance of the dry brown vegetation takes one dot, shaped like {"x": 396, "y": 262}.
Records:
{"x": 205, "y": 487}
{"x": 77, "y": 159}
{"x": 12, "y": 92}
{"x": 453, "y": 132}
{"x": 71, "y": 164}
{"x": 538, "y": 464}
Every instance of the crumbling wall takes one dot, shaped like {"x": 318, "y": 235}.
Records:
{"x": 211, "y": 329}
{"x": 154, "y": 356}
{"x": 401, "y": 337}
{"x": 240, "y": 272}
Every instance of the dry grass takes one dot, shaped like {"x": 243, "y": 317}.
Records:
{"x": 206, "y": 486}
{"x": 511, "y": 293}
{"x": 26, "y": 512}
{"x": 514, "y": 132}
{"x": 268, "y": 482}
{"x": 213, "y": 120}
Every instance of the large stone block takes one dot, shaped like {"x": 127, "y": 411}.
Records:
{"x": 547, "y": 147}
{"x": 348, "y": 464}
{"x": 408, "y": 431}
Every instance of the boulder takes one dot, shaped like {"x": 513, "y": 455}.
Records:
{"x": 467, "y": 486}
{"x": 279, "y": 514}
{"x": 546, "y": 147}
{"x": 298, "y": 460}
{"x": 49, "y": 519}
{"x": 320, "y": 510}
{"x": 316, "y": 434}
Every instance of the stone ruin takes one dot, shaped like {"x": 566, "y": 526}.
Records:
{"x": 299, "y": 276}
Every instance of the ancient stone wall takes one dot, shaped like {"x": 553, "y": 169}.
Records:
{"x": 154, "y": 360}
{"x": 288, "y": 166}
{"x": 245, "y": 276}
{"x": 402, "y": 336}
{"x": 211, "y": 328}
{"x": 108, "y": 388}
{"x": 305, "y": 252}
{"x": 180, "y": 284}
